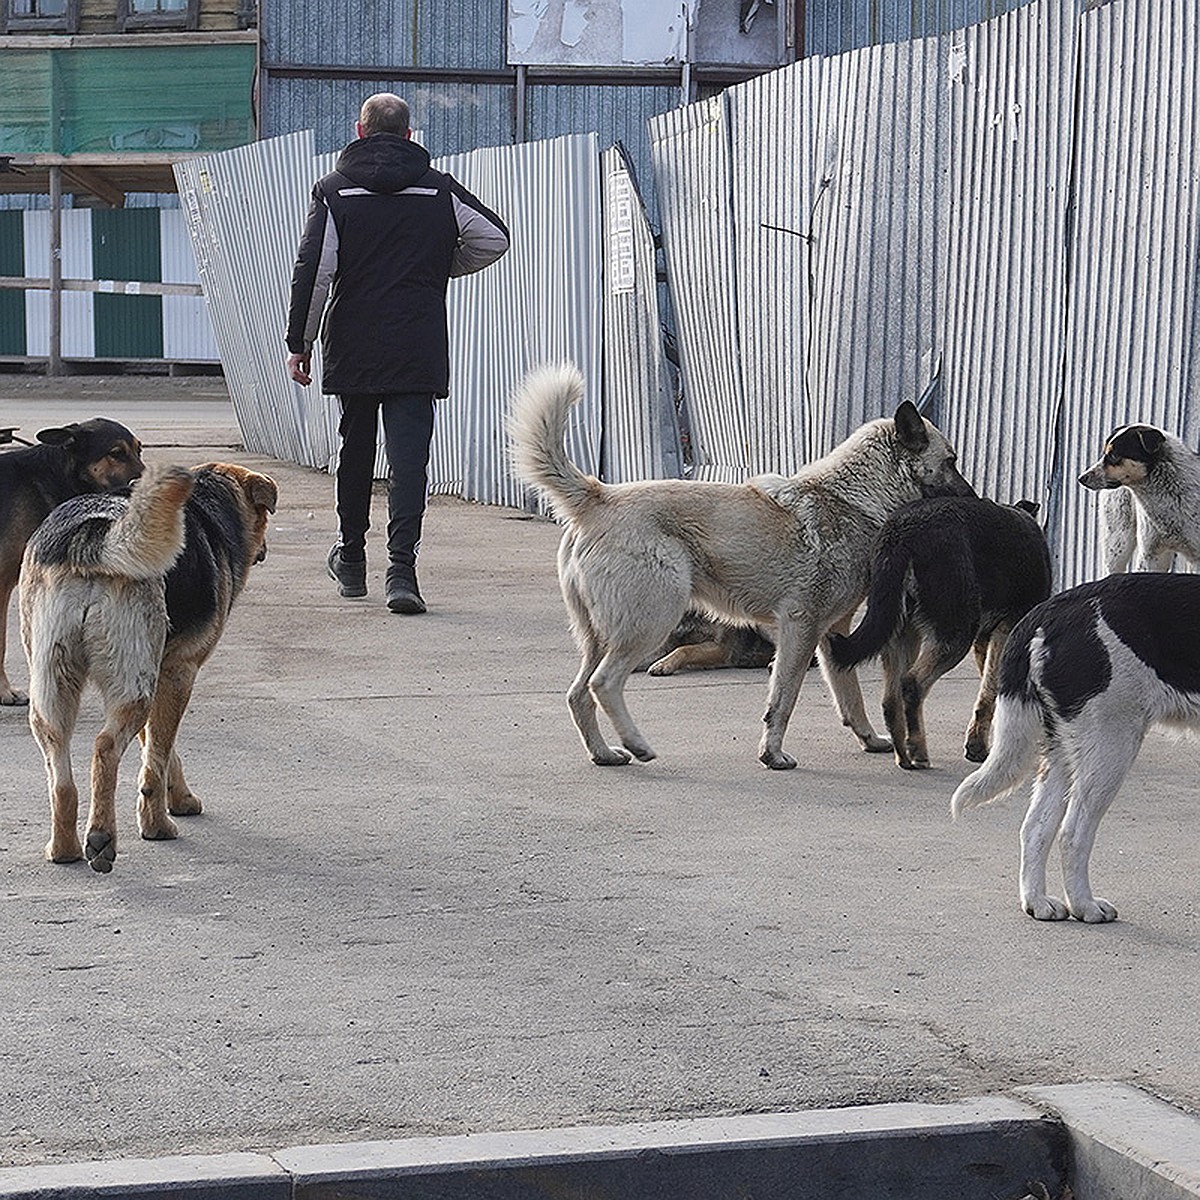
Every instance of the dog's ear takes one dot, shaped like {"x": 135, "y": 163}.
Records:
{"x": 1151, "y": 439}
{"x": 1032, "y": 507}
{"x": 263, "y": 492}
{"x": 62, "y": 436}
{"x": 910, "y": 427}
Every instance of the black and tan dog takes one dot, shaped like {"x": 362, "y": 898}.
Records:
{"x": 92, "y": 456}
{"x": 703, "y": 643}
{"x": 133, "y": 594}
{"x": 948, "y": 574}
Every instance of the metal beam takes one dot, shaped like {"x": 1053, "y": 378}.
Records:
{"x": 55, "y": 366}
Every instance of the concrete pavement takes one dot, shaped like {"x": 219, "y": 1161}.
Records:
{"x": 412, "y": 906}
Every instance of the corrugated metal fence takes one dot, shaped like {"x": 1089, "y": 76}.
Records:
{"x": 542, "y": 300}
{"x": 1009, "y": 208}
{"x": 1013, "y": 204}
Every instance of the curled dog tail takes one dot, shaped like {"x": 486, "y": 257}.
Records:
{"x": 1017, "y": 730}
{"x": 536, "y": 424}
{"x": 137, "y": 537}
{"x": 884, "y": 603}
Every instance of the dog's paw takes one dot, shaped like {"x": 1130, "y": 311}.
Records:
{"x": 101, "y": 850}
{"x": 640, "y": 751}
{"x": 161, "y": 830}
{"x": 777, "y": 760}
{"x": 1046, "y": 908}
{"x": 615, "y": 757}
{"x": 67, "y": 851}
{"x": 874, "y": 744}
{"x": 11, "y": 698}
{"x": 664, "y": 666}
{"x": 186, "y": 805}
{"x": 1096, "y": 911}
{"x": 975, "y": 752}
{"x": 912, "y": 764}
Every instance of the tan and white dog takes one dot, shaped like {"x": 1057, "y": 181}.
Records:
{"x": 790, "y": 554}
{"x": 1150, "y": 510}
{"x": 133, "y": 594}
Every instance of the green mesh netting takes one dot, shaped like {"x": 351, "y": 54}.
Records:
{"x": 138, "y": 99}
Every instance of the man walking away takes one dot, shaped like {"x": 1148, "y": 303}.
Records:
{"x": 385, "y": 233}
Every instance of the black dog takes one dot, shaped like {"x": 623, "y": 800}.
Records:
{"x": 947, "y": 574}
{"x": 92, "y": 456}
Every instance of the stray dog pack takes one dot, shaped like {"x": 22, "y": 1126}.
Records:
{"x": 789, "y": 554}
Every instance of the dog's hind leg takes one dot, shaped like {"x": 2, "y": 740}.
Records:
{"x": 608, "y": 687}
{"x": 1042, "y": 820}
{"x": 52, "y": 716}
{"x": 987, "y": 658}
{"x": 847, "y": 694}
{"x": 1101, "y": 763}
{"x": 897, "y": 658}
{"x": 123, "y": 717}
{"x": 938, "y": 655}
{"x": 161, "y": 770}
{"x": 794, "y": 648}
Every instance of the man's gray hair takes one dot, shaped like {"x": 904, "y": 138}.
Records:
{"x": 384, "y": 113}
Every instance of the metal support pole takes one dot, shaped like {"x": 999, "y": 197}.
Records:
{"x": 54, "y": 366}
{"x": 521, "y": 99}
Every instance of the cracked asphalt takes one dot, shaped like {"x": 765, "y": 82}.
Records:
{"x": 411, "y": 905}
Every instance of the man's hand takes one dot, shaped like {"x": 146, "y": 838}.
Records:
{"x": 300, "y": 367}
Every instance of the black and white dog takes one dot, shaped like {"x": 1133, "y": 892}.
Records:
{"x": 1151, "y": 508}
{"x": 1082, "y": 679}
{"x": 948, "y": 574}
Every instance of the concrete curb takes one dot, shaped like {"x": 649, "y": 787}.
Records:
{"x": 985, "y": 1149}
{"x": 1125, "y": 1143}
{"x": 1106, "y": 1141}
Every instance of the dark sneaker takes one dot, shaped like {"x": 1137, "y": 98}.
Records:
{"x": 351, "y": 577}
{"x": 402, "y": 593}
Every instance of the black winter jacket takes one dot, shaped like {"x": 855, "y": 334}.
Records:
{"x": 385, "y": 233}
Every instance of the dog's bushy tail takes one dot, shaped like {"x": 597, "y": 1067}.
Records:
{"x": 1017, "y": 730}
{"x": 536, "y": 424}
{"x": 884, "y": 603}
{"x": 142, "y": 535}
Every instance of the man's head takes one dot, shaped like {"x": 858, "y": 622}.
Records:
{"x": 383, "y": 113}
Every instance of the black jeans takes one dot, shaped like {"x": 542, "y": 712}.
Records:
{"x": 407, "y": 432}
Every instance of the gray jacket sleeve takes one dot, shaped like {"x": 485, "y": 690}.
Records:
{"x": 316, "y": 264}
{"x": 482, "y": 236}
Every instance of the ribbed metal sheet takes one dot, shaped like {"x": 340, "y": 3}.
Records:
{"x": 641, "y": 426}
{"x": 245, "y": 210}
{"x": 773, "y": 129}
{"x": 1133, "y": 352}
{"x": 834, "y": 26}
{"x": 1015, "y": 202}
{"x": 453, "y": 117}
{"x": 541, "y": 302}
{"x": 423, "y": 33}
{"x": 878, "y": 233}
{"x": 693, "y": 166}
{"x": 619, "y": 112}
{"x": 1011, "y": 95}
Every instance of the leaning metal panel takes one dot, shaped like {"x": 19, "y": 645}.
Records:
{"x": 641, "y": 428}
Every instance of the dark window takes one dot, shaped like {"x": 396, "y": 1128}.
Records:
{"x": 39, "y": 16}
{"x": 157, "y": 14}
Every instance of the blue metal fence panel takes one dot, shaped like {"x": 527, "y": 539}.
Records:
{"x": 453, "y": 118}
